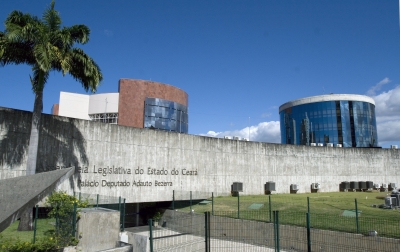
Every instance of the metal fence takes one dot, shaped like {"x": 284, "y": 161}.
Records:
{"x": 178, "y": 232}
{"x": 296, "y": 231}
{"x": 62, "y": 226}
{"x": 287, "y": 231}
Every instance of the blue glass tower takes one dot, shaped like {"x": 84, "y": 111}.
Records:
{"x": 344, "y": 119}
{"x": 165, "y": 115}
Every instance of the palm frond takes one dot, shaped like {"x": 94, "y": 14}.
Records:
{"x": 45, "y": 46}
{"x": 79, "y": 33}
{"x": 20, "y": 19}
{"x": 15, "y": 52}
{"x": 85, "y": 70}
{"x": 21, "y": 26}
{"x": 51, "y": 18}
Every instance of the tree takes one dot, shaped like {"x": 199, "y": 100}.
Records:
{"x": 46, "y": 46}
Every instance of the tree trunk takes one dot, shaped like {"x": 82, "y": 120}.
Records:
{"x": 26, "y": 221}
{"x": 34, "y": 138}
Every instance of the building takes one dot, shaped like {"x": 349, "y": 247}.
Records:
{"x": 342, "y": 120}
{"x": 138, "y": 103}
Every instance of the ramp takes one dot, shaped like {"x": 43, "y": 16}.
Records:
{"x": 21, "y": 193}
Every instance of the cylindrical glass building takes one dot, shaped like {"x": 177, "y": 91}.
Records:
{"x": 339, "y": 119}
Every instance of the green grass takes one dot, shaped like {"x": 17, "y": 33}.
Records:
{"x": 325, "y": 211}
{"x": 44, "y": 227}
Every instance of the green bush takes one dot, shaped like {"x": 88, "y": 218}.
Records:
{"x": 62, "y": 209}
{"x": 42, "y": 245}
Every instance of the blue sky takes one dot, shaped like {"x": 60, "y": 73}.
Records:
{"x": 236, "y": 59}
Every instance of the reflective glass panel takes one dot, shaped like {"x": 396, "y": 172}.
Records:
{"x": 165, "y": 115}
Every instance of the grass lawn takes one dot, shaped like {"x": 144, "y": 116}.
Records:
{"x": 326, "y": 210}
{"x": 44, "y": 226}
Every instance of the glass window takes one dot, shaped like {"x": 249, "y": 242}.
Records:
{"x": 165, "y": 115}
{"x": 350, "y": 123}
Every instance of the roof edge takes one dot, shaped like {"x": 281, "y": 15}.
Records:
{"x": 329, "y": 97}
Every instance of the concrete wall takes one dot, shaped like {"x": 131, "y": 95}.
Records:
{"x": 138, "y": 158}
{"x": 98, "y": 229}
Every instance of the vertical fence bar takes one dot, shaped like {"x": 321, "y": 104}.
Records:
{"x": 79, "y": 196}
{"x": 35, "y": 223}
{"x": 206, "y": 230}
{"x": 190, "y": 201}
{"x": 238, "y": 206}
{"x": 173, "y": 199}
{"x": 275, "y": 242}
{"x": 151, "y": 234}
{"x": 74, "y": 221}
{"x": 277, "y": 231}
{"x": 356, "y": 205}
{"x": 123, "y": 216}
{"x": 57, "y": 221}
{"x": 97, "y": 201}
{"x": 212, "y": 203}
{"x": 308, "y": 204}
{"x": 308, "y": 232}
{"x": 120, "y": 212}
{"x": 270, "y": 208}
{"x": 209, "y": 231}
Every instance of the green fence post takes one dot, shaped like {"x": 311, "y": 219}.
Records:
{"x": 277, "y": 231}
{"x": 355, "y": 201}
{"x": 209, "y": 231}
{"x": 238, "y": 206}
{"x": 212, "y": 203}
{"x": 97, "y": 201}
{"x": 206, "y": 229}
{"x": 308, "y": 232}
{"x": 35, "y": 224}
{"x": 151, "y": 234}
{"x": 308, "y": 204}
{"x": 270, "y": 208}
{"x": 275, "y": 243}
{"x": 120, "y": 212}
{"x": 79, "y": 196}
{"x": 190, "y": 201}
{"x": 74, "y": 221}
{"x": 57, "y": 220}
{"x": 123, "y": 217}
{"x": 173, "y": 199}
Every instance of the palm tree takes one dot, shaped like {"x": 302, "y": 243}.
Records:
{"x": 46, "y": 46}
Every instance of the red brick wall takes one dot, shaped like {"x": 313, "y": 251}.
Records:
{"x": 54, "y": 109}
{"x": 132, "y": 94}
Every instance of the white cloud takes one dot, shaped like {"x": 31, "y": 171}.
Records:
{"x": 378, "y": 86}
{"x": 389, "y": 131}
{"x": 263, "y": 132}
{"x": 388, "y": 104}
{"x": 387, "y": 109}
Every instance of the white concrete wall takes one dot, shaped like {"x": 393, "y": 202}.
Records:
{"x": 215, "y": 163}
{"x": 74, "y": 105}
{"x": 103, "y": 103}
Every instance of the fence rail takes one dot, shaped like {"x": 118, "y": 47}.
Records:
{"x": 286, "y": 231}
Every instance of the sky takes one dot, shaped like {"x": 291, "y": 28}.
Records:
{"x": 238, "y": 60}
